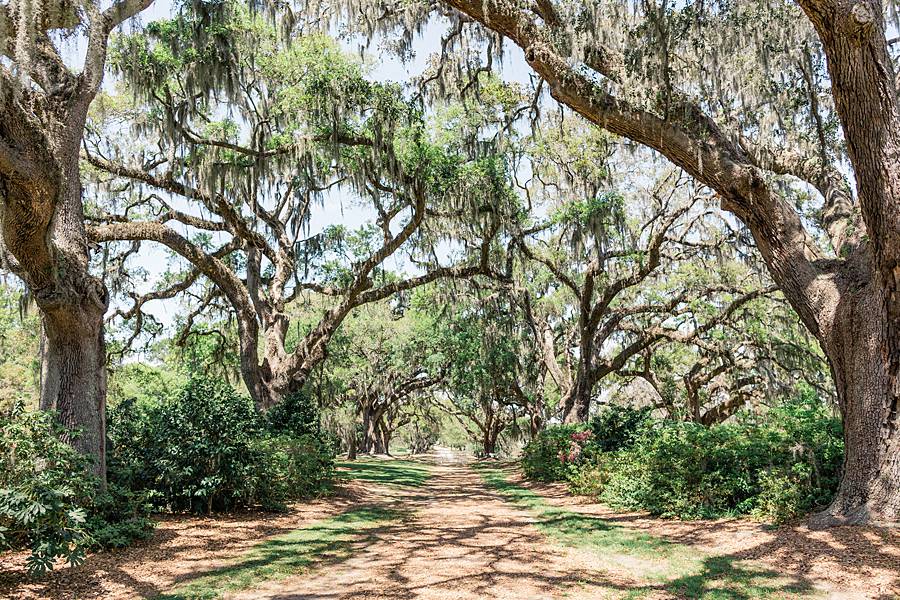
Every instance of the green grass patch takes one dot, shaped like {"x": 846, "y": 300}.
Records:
{"x": 676, "y": 568}
{"x": 325, "y": 542}
{"x": 398, "y": 473}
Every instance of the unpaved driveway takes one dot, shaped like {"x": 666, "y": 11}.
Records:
{"x": 464, "y": 542}
{"x": 462, "y": 539}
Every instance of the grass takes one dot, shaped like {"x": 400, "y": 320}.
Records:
{"x": 675, "y": 568}
{"x": 325, "y": 542}
{"x": 397, "y": 473}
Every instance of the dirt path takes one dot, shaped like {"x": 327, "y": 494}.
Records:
{"x": 462, "y": 542}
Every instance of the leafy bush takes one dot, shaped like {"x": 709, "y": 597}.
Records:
{"x": 44, "y": 487}
{"x": 689, "y": 471}
{"x": 293, "y": 467}
{"x": 778, "y": 468}
{"x": 119, "y": 516}
{"x": 49, "y": 501}
{"x": 618, "y": 427}
{"x": 542, "y": 457}
{"x": 557, "y": 451}
{"x": 297, "y": 414}
{"x": 207, "y": 449}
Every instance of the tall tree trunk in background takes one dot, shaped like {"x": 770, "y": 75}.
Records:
{"x": 352, "y": 445}
{"x": 383, "y": 444}
{"x": 578, "y": 403}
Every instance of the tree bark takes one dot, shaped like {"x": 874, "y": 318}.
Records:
{"x": 73, "y": 373}
{"x": 869, "y": 491}
{"x": 383, "y": 439}
{"x": 578, "y": 402}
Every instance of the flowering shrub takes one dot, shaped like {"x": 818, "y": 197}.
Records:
{"x": 776, "y": 469}
{"x": 544, "y": 458}
{"x": 560, "y": 449}
{"x": 577, "y": 440}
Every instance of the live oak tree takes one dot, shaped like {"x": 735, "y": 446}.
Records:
{"x": 304, "y": 125}
{"x": 760, "y": 102}
{"x": 604, "y": 276}
{"x": 384, "y": 359}
{"x": 44, "y": 103}
{"x": 752, "y": 359}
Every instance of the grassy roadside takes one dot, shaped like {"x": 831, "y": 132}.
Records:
{"x": 665, "y": 566}
{"x": 325, "y": 542}
{"x": 391, "y": 472}
{"x": 322, "y": 543}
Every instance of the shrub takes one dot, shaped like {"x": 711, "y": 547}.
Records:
{"x": 590, "y": 478}
{"x": 618, "y": 427}
{"x": 688, "y": 471}
{"x": 785, "y": 464}
{"x": 542, "y": 457}
{"x": 556, "y": 453}
{"x": 293, "y": 467}
{"x": 119, "y": 516}
{"x": 44, "y": 486}
{"x": 206, "y": 449}
{"x": 297, "y": 414}
{"x": 49, "y": 501}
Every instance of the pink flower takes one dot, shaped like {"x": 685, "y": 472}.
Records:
{"x": 581, "y": 436}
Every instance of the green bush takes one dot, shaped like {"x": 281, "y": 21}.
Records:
{"x": 543, "y": 457}
{"x": 777, "y": 468}
{"x": 556, "y": 453}
{"x": 690, "y": 471}
{"x": 618, "y": 427}
{"x": 44, "y": 487}
{"x": 118, "y": 516}
{"x": 297, "y": 414}
{"x": 206, "y": 449}
{"x": 49, "y": 501}
{"x": 293, "y": 467}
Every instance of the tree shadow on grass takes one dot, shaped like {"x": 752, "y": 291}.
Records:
{"x": 671, "y": 567}
{"x": 326, "y": 542}
{"x": 388, "y": 472}
{"x": 727, "y": 578}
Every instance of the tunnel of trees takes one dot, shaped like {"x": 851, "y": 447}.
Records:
{"x": 527, "y": 221}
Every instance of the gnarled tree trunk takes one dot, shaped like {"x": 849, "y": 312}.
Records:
{"x": 577, "y": 404}
{"x": 870, "y": 486}
{"x": 73, "y": 370}
{"x": 43, "y": 231}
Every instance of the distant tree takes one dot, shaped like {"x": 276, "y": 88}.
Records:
{"x": 493, "y": 378}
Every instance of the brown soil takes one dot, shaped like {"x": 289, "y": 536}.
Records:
{"x": 463, "y": 541}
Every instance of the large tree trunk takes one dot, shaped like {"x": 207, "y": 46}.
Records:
{"x": 489, "y": 443}
{"x": 43, "y": 229}
{"x": 73, "y": 377}
{"x": 578, "y": 403}
{"x": 870, "y": 487}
